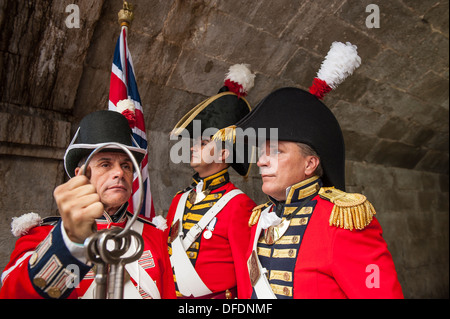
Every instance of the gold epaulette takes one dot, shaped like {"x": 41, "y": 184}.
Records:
{"x": 256, "y": 212}
{"x": 350, "y": 211}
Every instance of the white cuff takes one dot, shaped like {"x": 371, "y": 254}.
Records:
{"x": 77, "y": 250}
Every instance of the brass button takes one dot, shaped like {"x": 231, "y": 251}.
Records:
{"x": 54, "y": 292}
{"x": 191, "y": 254}
{"x": 286, "y": 291}
{"x": 295, "y": 239}
{"x": 291, "y": 253}
{"x": 286, "y": 276}
{"x": 39, "y": 282}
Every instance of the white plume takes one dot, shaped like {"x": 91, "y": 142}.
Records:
{"x": 125, "y": 105}
{"x": 240, "y": 73}
{"x": 21, "y": 225}
{"x": 340, "y": 62}
{"x": 160, "y": 222}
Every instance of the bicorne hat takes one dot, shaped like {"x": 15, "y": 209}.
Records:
{"x": 98, "y": 128}
{"x": 224, "y": 109}
{"x": 301, "y": 117}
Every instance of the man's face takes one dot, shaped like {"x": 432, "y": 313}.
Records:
{"x": 112, "y": 175}
{"x": 206, "y": 156}
{"x": 281, "y": 165}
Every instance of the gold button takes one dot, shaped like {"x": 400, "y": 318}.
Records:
{"x": 54, "y": 292}
{"x": 39, "y": 282}
{"x": 191, "y": 254}
{"x": 286, "y": 291}
{"x": 286, "y": 276}
{"x": 291, "y": 253}
{"x": 295, "y": 239}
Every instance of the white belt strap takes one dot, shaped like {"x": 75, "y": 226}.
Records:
{"x": 140, "y": 276}
{"x": 198, "y": 228}
{"x": 262, "y": 285}
{"x": 188, "y": 281}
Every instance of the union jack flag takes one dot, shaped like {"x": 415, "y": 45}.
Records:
{"x": 123, "y": 86}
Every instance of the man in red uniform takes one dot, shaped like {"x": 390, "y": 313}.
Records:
{"x": 312, "y": 240}
{"x": 209, "y": 234}
{"x": 49, "y": 258}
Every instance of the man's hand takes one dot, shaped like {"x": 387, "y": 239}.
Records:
{"x": 79, "y": 206}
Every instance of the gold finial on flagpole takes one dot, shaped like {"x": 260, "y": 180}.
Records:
{"x": 126, "y": 14}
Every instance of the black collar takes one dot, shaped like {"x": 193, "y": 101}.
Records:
{"x": 212, "y": 182}
{"x": 298, "y": 194}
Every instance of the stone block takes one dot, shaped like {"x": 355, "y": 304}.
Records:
{"x": 407, "y": 179}
{"x": 389, "y": 100}
{"x": 320, "y": 38}
{"x": 284, "y": 10}
{"x": 365, "y": 175}
{"x": 36, "y": 131}
{"x": 92, "y": 94}
{"x": 399, "y": 29}
{"x": 391, "y": 67}
{"x": 359, "y": 118}
{"x": 357, "y": 145}
{"x": 437, "y": 16}
{"x": 431, "y": 50}
{"x": 394, "y": 129}
{"x": 439, "y": 141}
{"x": 434, "y": 161}
{"x": 26, "y": 186}
{"x": 431, "y": 88}
{"x": 389, "y": 153}
{"x": 310, "y": 20}
{"x": 196, "y": 72}
{"x": 302, "y": 68}
{"x": 183, "y": 20}
{"x": 165, "y": 106}
{"x": 417, "y": 135}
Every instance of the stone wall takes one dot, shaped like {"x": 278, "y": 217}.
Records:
{"x": 393, "y": 110}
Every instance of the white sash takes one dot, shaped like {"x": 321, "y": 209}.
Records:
{"x": 262, "y": 285}
{"x": 188, "y": 281}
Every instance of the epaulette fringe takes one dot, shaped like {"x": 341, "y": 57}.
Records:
{"x": 227, "y": 134}
{"x": 350, "y": 211}
{"x": 256, "y": 212}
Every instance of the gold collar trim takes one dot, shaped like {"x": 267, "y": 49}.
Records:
{"x": 303, "y": 189}
{"x": 213, "y": 180}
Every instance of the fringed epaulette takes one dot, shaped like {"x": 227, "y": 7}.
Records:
{"x": 350, "y": 211}
{"x": 227, "y": 134}
{"x": 256, "y": 212}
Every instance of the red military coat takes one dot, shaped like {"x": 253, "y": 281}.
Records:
{"x": 333, "y": 262}
{"x": 39, "y": 263}
{"x": 219, "y": 261}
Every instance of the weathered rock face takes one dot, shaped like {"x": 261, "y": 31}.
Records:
{"x": 393, "y": 110}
